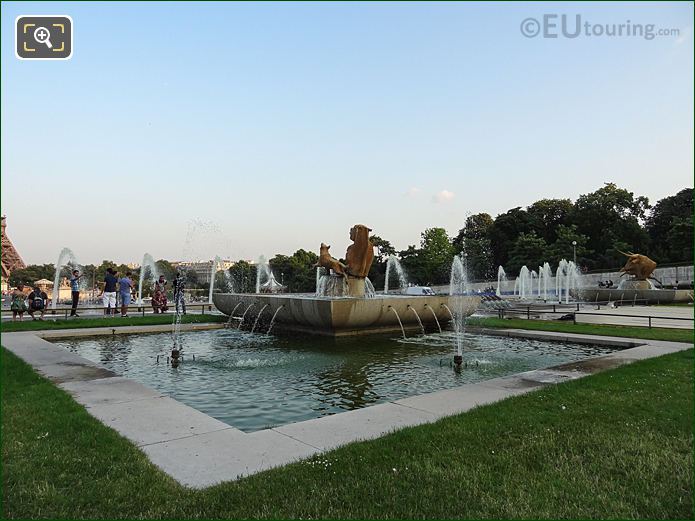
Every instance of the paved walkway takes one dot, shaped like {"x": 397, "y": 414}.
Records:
{"x": 199, "y": 451}
{"x": 639, "y": 316}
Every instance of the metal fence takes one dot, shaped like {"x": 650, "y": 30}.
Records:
{"x": 529, "y": 310}
{"x": 64, "y": 312}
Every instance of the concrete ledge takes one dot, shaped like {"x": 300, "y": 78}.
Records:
{"x": 208, "y": 459}
{"x": 199, "y": 451}
{"x": 123, "y": 330}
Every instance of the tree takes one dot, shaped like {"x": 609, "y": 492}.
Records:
{"x": 244, "y": 276}
{"x": 412, "y": 262}
{"x": 437, "y": 253}
{"x": 165, "y": 268}
{"x": 31, "y": 274}
{"x": 529, "y": 250}
{"x": 546, "y": 215}
{"x": 384, "y": 249}
{"x": 297, "y": 272}
{"x": 670, "y": 228}
{"x": 505, "y": 231}
{"x": 562, "y": 248}
{"x": 608, "y": 216}
{"x": 474, "y": 240}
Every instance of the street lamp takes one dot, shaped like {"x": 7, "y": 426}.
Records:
{"x": 574, "y": 247}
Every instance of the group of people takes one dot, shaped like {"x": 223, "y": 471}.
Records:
{"x": 115, "y": 289}
{"x": 33, "y": 303}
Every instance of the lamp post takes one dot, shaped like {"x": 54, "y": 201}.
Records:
{"x": 574, "y": 248}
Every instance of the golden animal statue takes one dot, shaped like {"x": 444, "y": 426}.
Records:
{"x": 639, "y": 266}
{"x": 330, "y": 263}
{"x": 360, "y": 254}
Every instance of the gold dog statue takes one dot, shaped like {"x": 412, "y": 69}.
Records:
{"x": 330, "y": 263}
{"x": 360, "y": 254}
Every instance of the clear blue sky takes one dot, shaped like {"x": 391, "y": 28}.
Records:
{"x": 277, "y": 126}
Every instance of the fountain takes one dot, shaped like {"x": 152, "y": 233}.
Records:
{"x": 213, "y": 273}
{"x": 399, "y": 321}
{"x": 345, "y": 302}
{"x": 458, "y": 285}
{"x": 523, "y": 284}
{"x": 434, "y": 315}
{"x": 272, "y": 320}
{"x": 544, "y": 276}
{"x": 66, "y": 257}
{"x": 231, "y": 315}
{"x": 262, "y": 272}
{"x": 394, "y": 264}
{"x": 147, "y": 264}
{"x": 501, "y": 279}
{"x": 638, "y": 288}
{"x": 243, "y": 317}
{"x": 410, "y": 308}
{"x": 255, "y": 323}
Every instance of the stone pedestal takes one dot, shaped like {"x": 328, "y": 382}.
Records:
{"x": 355, "y": 287}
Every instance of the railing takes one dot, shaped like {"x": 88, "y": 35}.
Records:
{"x": 64, "y": 312}
{"x": 521, "y": 312}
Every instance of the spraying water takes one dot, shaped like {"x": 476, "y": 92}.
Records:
{"x": 243, "y": 317}
{"x": 501, "y": 278}
{"x": 213, "y": 273}
{"x": 148, "y": 266}
{"x": 394, "y": 264}
{"x": 262, "y": 273}
{"x": 66, "y": 257}
{"x": 411, "y": 308}
{"x": 231, "y": 315}
{"x": 435, "y": 317}
{"x": 272, "y": 320}
{"x": 255, "y": 323}
{"x": 458, "y": 285}
{"x": 523, "y": 284}
{"x": 399, "y": 320}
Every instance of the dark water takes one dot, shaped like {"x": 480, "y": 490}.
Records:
{"x": 254, "y": 381}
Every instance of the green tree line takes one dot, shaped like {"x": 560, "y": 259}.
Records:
{"x": 602, "y": 223}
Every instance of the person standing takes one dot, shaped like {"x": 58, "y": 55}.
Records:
{"x": 18, "y": 304}
{"x": 109, "y": 293}
{"x": 75, "y": 291}
{"x": 125, "y": 287}
{"x": 179, "y": 286}
{"x": 37, "y": 302}
{"x": 159, "y": 299}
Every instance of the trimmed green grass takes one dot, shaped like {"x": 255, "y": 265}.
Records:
{"x": 75, "y": 323}
{"x": 655, "y": 333}
{"x": 615, "y": 445}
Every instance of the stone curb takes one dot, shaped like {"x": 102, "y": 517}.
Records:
{"x": 200, "y": 451}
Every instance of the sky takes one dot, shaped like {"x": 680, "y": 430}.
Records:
{"x": 189, "y": 130}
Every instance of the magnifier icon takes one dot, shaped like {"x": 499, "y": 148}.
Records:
{"x": 43, "y": 35}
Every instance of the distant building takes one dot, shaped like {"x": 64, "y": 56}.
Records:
{"x": 203, "y": 269}
{"x": 11, "y": 260}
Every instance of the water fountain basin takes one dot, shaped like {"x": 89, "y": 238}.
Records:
{"x": 346, "y": 316}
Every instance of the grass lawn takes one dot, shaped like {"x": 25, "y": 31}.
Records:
{"x": 655, "y": 333}
{"x": 615, "y": 445}
{"x": 75, "y": 323}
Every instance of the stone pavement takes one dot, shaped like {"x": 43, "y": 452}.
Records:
{"x": 200, "y": 451}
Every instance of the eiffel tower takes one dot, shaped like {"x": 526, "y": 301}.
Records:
{"x": 10, "y": 258}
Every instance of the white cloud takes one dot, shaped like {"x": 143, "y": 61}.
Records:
{"x": 443, "y": 196}
{"x": 413, "y": 192}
